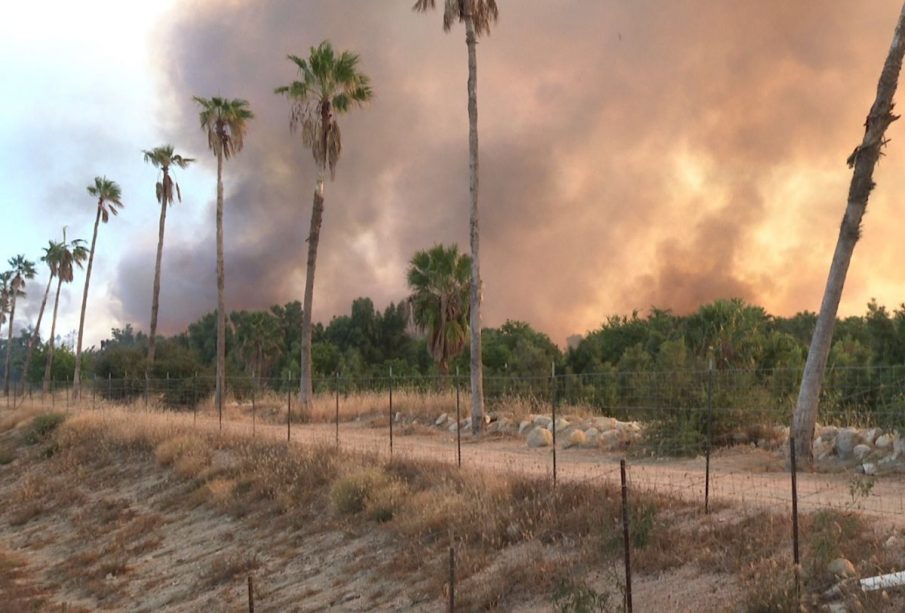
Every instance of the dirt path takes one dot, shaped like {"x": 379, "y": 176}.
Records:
{"x": 747, "y": 476}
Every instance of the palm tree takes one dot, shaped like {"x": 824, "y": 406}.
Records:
{"x": 67, "y": 255}
{"x": 166, "y": 188}
{"x": 440, "y": 283}
{"x": 51, "y": 258}
{"x": 863, "y": 160}
{"x": 478, "y": 16}
{"x": 109, "y": 201}
{"x": 225, "y": 122}
{"x": 22, "y": 270}
{"x": 329, "y": 85}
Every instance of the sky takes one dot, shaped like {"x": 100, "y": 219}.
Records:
{"x": 633, "y": 154}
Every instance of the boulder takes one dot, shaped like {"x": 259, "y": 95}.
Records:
{"x": 591, "y": 436}
{"x": 822, "y": 449}
{"x": 869, "y": 468}
{"x": 543, "y": 421}
{"x": 898, "y": 447}
{"x": 453, "y": 427}
{"x": 576, "y": 439}
{"x": 440, "y": 421}
{"x": 540, "y": 437}
{"x": 884, "y": 441}
{"x": 846, "y": 440}
{"x": 610, "y": 440}
{"x": 504, "y": 425}
{"x": 525, "y": 425}
{"x": 871, "y": 435}
{"x": 841, "y": 568}
{"x": 861, "y": 451}
{"x": 828, "y": 433}
{"x": 562, "y": 424}
{"x": 604, "y": 423}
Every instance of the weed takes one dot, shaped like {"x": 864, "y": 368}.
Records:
{"x": 577, "y": 597}
{"x": 350, "y": 494}
{"x": 41, "y": 427}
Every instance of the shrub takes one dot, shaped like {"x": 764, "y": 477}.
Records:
{"x": 351, "y": 494}
{"x": 42, "y": 426}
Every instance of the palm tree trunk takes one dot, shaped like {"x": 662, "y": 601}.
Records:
{"x": 36, "y": 335}
{"x": 9, "y": 342}
{"x": 221, "y": 303}
{"x": 76, "y": 375}
{"x": 50, "y": 341}
{"x": 863, "y": 160}
{"x": 155, "y": 295}
{"x": 477, "y": 373}
{"x": 306, "y": 391}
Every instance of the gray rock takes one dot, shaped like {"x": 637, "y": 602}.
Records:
{"x": 822, "y": 449}
{"x": 869, "y": 468}
{"x": 883, "y": 441}
{"x": 861, "y": 451}
{"x": 841, "y": 568}
{"x": 604, "y": 423}
{"x": 828, "y": 433}
{"x": 610, "y": 440}
{"x": 525, "y": 425}
{"x": 898, "y": 447}
{"x": 846, "y": 440}
{"x": 561, "y": 424}
{"x": 440, "y": 421}
{"x": 540, "y": 437}
{"x": 591, "y": 436}
{"x": 871, "y": 435}
{"x": 543, "y": 421}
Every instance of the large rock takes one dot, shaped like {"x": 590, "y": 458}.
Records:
{"x": 525, "y": 425}
{"x": 591, "y": 436}
{"x": 861, "y": 451}
{"x": 540, "y": 437}
{"x": 828, "y": 433}
{"x": 610, "y": 440}
{"x": 846, "y": 440}
{"x": 561, "y": 424}
{"x": 841, "y": 568}
{"x": 871, "y": 435}
{"x": 898, "y": 447}
{"x": 822, "y": 449}
{"x": 627, "y": 426}
{"x": 576, "y": 439}
{"x": 543, "y": 421}
{"x": 884, "y": 441}
{"x": 604, "y": 423}
{"x": 869, "y": 468}
{"x": 441, "y": 420}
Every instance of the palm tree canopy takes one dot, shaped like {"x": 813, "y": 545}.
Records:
{"x": 163, "y": 157}
{"x": 5, "y": 286}
{"x": 109, "y": 197}
{"x": 51, "y": 257}
{"x": 224, "y": 121}
{"x": 69, "y": 255}
{"x": 484, "y": 13}
{"x": 22, "y": 270}
{"x": 440, "y": 280}
{"x": 328, "y": 85}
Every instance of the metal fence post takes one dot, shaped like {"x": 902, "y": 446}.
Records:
{"x": 795, "y": 552}
{"x": 288, "y": 408}
{"x": 452, "y": 579}
{"x": 254, "y": 407}
{"x": 625, "y": 539}
{"x": 458, "y": 423}
{"x": 391, "y": 410}
{"x": 251, "y": 596}
{"x": 194, "y": 399}
{"x": 709, "y": 443}
{"x": 553, "y": 406}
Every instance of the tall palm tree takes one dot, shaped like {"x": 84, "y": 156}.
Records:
{"x": 51, "y": 258}
{"x": 440, "y": 281}
{"x": 225, "y": 122}
{"x": 67, "y": 255}
{"x": 863, "y": 160}
{"x": 328, "y": 85}
{"x": 6, "y": 279}
{"x": 166, "y": 189}
{"x": 478, "y": 16}
{"x": 22, "y": 270}
{"x": 109, "y": 201}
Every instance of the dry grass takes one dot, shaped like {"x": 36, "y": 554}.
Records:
{"x": 514, "y": 536}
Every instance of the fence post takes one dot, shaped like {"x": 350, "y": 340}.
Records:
{"x": 251, "y": 596}
{"x": 553, "y": 404}
{"x": 147, "y": 390}
{"x": 254, "y": 406}
{"x": 625, "y": 539}
{"x": 288, "y": 408}
{"x": 337, "y": 408}
{"x": 709, "y": 442}
{"x": 391, "y": 410}
{"x": 452, "y": 579}
{"x": 458, "y": 423}
{"x": 795, "y": 553}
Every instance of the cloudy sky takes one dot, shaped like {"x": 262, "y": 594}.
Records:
{"x": 634, "y": 153}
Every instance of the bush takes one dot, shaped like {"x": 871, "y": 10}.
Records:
{"x": 351, "y": 494}
{"x": 42, "y": 426}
